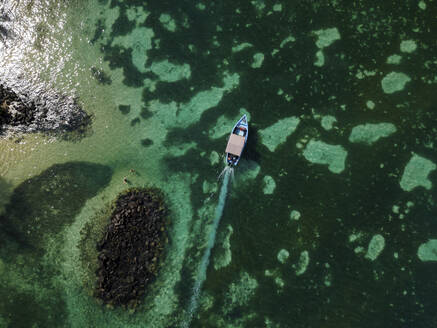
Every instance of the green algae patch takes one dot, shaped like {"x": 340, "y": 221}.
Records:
{"x": 394, "y": 59}
{"x": 279, "y": 282}
{"x": 184, "y": 114}
{"x": 328, "y": 122}
{"x": 283, "y": 255}
{"x": 190, "y": 112}
{"x": 258, "y": 4}
{"x": 427, "y": 252}
{"x": 45, "y": 204}
{"x": 200, "y": 6}
{"x": 258, "y": 59}
{"x": 168, "y": 23}
{"x": 269, "y": 185}
{"x": 318, "y": 152}
{"x": 370, "y": 104}
{"x": 295, "y": 215}
{"x": 376, "y": 246}
{"x": 277, "y": 7}
{"x": 361, "y": 74}
{"x": 408, "y": 46}
{"x": 270, "y": 324}
{"x": 140, "y": 40}
{"x": 137, "y": 14}
{"x": 326, "y": 37}
{"x": 288, "y": 39}
{"x": 131, "y": 248}
{"x": 169, "y": 72}
{"x": 201, "y": 102}
{"x": 355, "y": 237}
{"x": 394, "y": 82}
{"x": 370, "y": 133}
{"x": 276, "y": 275}
{"x": 206, "y": 301}
{"x": 320, "y": 59}
{"x": 302, "y": 264}
{"x": 241, "y": 47}
{"x": 277, "y": 133}
{"x": 240, "y": 292}
{"x": 416, "y": 173}
{"x": 208, "y": 187}
{"x": 214, "y": 158}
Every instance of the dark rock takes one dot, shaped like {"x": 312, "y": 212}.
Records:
{"x": 147, "y": 142}
{"x": 124, "y": 109}
{"x": 145, "y": 113}
{"x": 42, "y": 112}
{"x": 135, "y": 121}
{"x": 131, "y": 248}
{"x": 100, "y": 76}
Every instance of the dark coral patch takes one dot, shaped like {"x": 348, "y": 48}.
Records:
{"x": 131, "y": 248}
{"x": 122, "y": 25}
{"x": 135, "y": 121}
{"x": 100, "y": 26}
{"x": 120, "y": 57}
{"x": 146, "y": 142}
{"x": 145, "y": 113}
{"x": 100, "y": 76}
{"x": 124, "y": 109}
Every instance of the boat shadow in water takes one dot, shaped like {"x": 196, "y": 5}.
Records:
{"x": 250, "y": 151}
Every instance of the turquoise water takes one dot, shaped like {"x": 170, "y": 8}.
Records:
{"x": 330, "y": 221}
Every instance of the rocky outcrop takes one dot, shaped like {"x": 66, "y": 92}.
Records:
{"x": 131, "y": 248}
{"x": 47, "y": 113}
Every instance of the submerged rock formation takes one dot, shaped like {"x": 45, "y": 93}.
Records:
{"x": 131, "y": 248}
{"x": 47, "y": 113}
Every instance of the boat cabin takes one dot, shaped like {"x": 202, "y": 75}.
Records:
{"x": 236, "y": 143}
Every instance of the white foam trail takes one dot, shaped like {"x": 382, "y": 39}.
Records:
{"x": 226, "y": 169}
{"x": 201, "y": 274}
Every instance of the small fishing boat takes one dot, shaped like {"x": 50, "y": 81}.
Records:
{"x": 237, "y": 141}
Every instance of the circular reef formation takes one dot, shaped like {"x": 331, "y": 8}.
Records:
{"x": 133, "y": 243}
{"x": 48, "y": 112}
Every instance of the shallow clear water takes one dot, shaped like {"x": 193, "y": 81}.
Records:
{"x": 331, "y": 219}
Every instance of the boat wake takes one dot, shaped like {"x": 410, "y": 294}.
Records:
{"x": 227, "y": 170}
{"x": 227, "y": 173}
